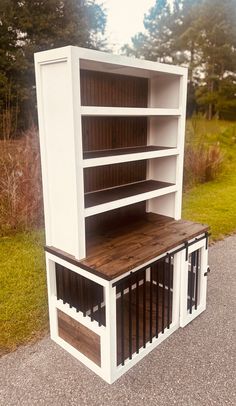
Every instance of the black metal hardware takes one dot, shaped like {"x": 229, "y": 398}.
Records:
{"x": 207, "y": 272}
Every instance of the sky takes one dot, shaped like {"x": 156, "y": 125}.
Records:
{"x": 124, "y": 20}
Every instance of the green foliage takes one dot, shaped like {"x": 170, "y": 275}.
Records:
{"x": 214, "y": 202}
{"x": 30, "y": 26}
{"x": 200, "y": 34}
{"x": 23, "y": 305}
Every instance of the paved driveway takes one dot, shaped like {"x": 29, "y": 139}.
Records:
{"x": 195, "y": 366}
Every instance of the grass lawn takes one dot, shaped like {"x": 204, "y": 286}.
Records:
{"x": 214, "y": 202}
{"x": 23, "y": 304}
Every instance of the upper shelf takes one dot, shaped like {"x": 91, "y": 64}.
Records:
{"x": 120, "y": 196}
{"x": 128, "y": 111}
{"x": 118, "y": 155}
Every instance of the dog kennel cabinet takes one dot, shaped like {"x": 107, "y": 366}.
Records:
{"x": 123, "y": 270}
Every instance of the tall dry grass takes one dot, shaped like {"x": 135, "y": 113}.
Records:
{"x": 21, "y": 206}
{"x": 202, "y": 164}
{"x": 203, "y": 161}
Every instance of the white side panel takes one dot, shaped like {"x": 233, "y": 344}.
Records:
{"x": 164, "y": 205}
{"x": 163, "y": 169}
{"x": 58, "y": 154}
{"x": 181, "y": 138}
{"x": 163, "y": 131}
{"x": 165, "y": 92}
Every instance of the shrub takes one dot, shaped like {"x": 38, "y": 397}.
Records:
{"x": 202, "y": 164}
{"x": 21, "y": 205}
{"x": 204, "y": 158}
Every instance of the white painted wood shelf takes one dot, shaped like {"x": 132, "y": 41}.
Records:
{"x": 119, "y": 155}
{"x": 120, "y": 196}
{"x": 128, "y": 111}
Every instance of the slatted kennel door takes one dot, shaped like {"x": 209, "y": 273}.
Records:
{"x": 144, "y": 307}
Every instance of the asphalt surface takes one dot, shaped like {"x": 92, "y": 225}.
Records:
{"x": 195, "y": 366}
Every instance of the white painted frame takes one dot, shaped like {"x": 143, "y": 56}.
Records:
{"x": 61, "y": 144}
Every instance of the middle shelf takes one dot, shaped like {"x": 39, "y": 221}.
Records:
{"x": 118, "y": 155}
{"x": 115, "y": 197}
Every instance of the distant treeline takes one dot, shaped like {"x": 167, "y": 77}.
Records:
{"x": 29, "y": 26}
{"x": 200, "y": 34}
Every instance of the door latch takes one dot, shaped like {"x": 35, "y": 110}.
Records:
{"x": 208, "y": 271}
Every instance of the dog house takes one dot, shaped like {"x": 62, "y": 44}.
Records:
{"x": 123, "y": 270}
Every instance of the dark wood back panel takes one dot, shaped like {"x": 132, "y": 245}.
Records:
{"x": 107, "y": 176}
{"x": 98, "y": 133}
{"x": 107, "y": 89}
{"x": 113, "y": 132}
{"x": 114, "y": 219}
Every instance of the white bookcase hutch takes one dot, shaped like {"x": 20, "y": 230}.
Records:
{"x": 123, "y": 270}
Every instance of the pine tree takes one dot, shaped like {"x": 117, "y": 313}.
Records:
{"x": 200, "y": 34}
{"x": 217, "y": 44}
{"x": 155, "y": 44}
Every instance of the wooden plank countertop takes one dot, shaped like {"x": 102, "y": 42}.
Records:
{"x": 120, "y": 250}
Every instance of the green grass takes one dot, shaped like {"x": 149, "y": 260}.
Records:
{"x": 23, "y": 303}
{"x": 214, "y": 202}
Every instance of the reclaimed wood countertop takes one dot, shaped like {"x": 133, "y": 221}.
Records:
{"x": 131, "y": 245}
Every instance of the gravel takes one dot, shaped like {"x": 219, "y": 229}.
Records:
{"x": 195, "y": 366}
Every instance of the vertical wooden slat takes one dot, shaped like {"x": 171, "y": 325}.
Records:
{"x": 83, "y": 295}
{"x": 73, "y": 289}
{"x": 64, "y": 285}
{"x": 150, "y": 314}
{"x": 191, "y": 283}
{"x": 57, "y": 281}
{"x": 196, "y": 288}
{"x": 122, "y": 325}
{"x": 144, "y": 309}
{"x": 78, "y": 307}
{"x": 163, "y": 295}
{"x": 130, "y": 318}
{"x": 137, "y": 312}
{"x": 100, "y": 307}
{"x": 168, "y": 302}
{"x": 157, "y": 297}
{"x": 91, "y": 304}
